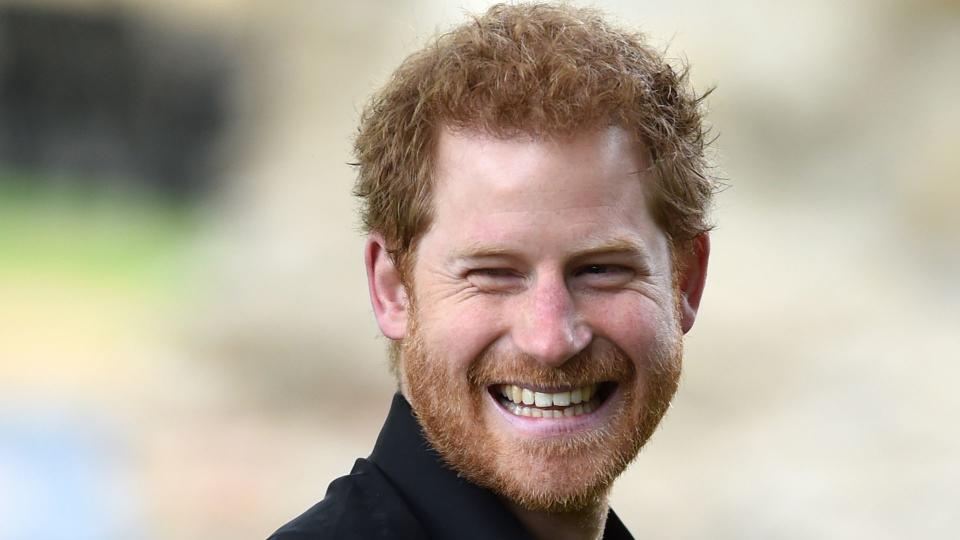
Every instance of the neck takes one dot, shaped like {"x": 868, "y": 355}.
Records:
{"x": 586, "y": 524}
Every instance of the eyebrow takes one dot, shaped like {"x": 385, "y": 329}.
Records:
{"x": 482, "y": 251}
{"x": 593, "y": 247}
{"x": 618, "y": 245}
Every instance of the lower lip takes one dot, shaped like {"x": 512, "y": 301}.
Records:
{"x": 557, "y": 426}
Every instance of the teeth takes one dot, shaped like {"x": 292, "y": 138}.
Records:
{"x": 518, "y": 394}
{"x": 525, "y": 402}
{"x": 542, "y": 400}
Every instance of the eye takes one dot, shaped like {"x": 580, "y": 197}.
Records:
{"x": 604, "y": 275}
{"x": 598, "y": 269}
{"x": 495, "y": 279}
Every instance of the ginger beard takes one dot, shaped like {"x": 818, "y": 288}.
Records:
{"x": 562, "y": 473}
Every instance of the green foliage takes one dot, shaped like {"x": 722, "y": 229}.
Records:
{"x": 55, "y": 232}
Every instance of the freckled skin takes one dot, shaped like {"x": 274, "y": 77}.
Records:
{"x": 544, "y": 268}
{"x": 509, "y": 284}
{"x": 543, "y": 201}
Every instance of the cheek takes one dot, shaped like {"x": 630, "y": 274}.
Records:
{"x": 634, "y": 325}
{"x": 460, "y": 334}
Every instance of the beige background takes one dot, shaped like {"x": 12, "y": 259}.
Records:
{"x": 238, "y": 372}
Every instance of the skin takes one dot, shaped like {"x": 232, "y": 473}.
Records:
{"x": 543, "y": 267}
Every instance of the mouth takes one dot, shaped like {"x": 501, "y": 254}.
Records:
{"x": 554, "y": 403}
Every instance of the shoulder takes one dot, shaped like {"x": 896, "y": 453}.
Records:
{"x": 361, "y": 505}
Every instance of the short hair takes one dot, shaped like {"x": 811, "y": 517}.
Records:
{"x": 529, "y": 69}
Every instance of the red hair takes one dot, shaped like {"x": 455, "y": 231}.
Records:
{"x": 529, "y": 69}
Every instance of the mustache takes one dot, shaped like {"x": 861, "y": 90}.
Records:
{"x": 600, "y": 361}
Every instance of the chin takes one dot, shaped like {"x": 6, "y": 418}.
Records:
{"x": 572, "y": 471}
{"x": 541, "y": 462}
{"x": 552, "y": 487}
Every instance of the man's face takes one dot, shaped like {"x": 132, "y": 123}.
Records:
{"x": 544, "y": 343}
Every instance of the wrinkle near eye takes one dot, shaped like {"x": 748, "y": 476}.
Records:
{"x": 451, "y": 287}
{"x": 650, "y": 289}
{"x": 496, "y": 280}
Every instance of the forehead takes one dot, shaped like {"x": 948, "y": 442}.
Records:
{"x": 599, "y": 175}
{"x": 470, "y": 159}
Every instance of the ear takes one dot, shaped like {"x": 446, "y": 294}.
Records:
{"x": 387, "y": 293}
{"x": 693, "y": 257}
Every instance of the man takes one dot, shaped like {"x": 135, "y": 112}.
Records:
{"x": 535, "y": 193}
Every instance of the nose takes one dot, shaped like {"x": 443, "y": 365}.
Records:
{"x": 549, "y": 327}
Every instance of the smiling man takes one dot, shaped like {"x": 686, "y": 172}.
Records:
{"x": 535, "y": 192}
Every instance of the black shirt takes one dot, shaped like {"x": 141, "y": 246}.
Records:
{"x": 404, "y": 491}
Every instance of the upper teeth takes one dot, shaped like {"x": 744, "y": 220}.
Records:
{"x": 526, "y": 396}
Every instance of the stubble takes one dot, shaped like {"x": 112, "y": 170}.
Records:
{"x": 564, "y": 473}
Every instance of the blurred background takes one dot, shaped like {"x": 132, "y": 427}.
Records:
{"x": 186, "y": 345}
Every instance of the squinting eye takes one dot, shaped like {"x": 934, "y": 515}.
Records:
{"x": 601, "y": 269}
{"x": 495, "y": 279}
{"x": 494, "y": 272}
{"x": 597, "y": 269}
{"x": 605, "y": 275}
